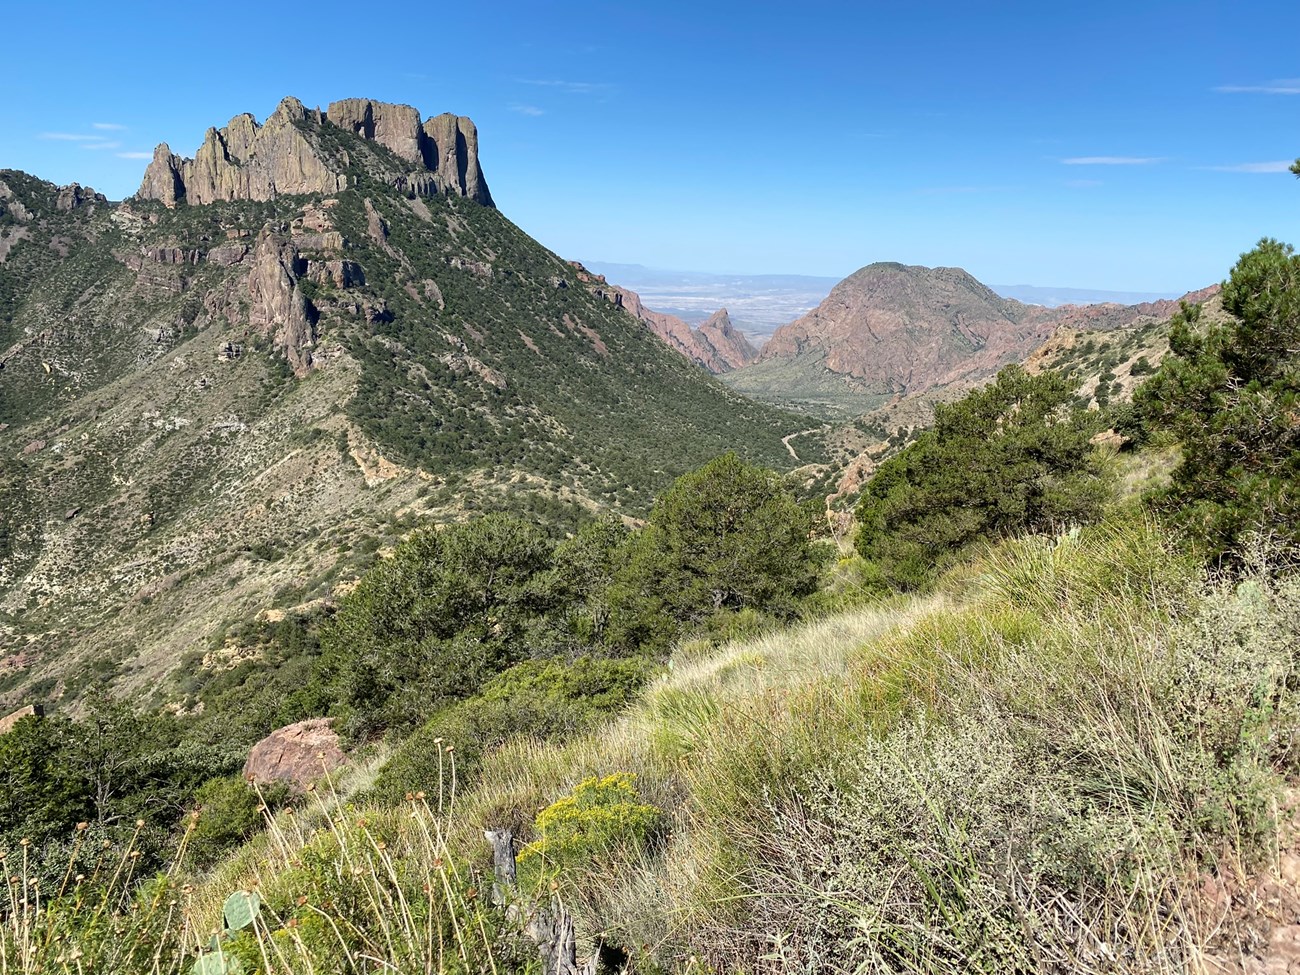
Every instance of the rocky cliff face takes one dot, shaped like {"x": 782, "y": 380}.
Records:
{"x": 729, "y": 346}
{"x": 291, "y": 154}
{"x": 716, "y": 345}
{"x": 277, "y": 306}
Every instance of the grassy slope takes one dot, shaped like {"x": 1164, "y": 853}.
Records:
{"x": 1043, "y": 769}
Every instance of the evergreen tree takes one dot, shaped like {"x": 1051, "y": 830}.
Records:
{"x": 1010, "y": 457}
{"x": 448, "y": 610}
{"x": 728, "y": 536}
{"x": 1230, "y": 393}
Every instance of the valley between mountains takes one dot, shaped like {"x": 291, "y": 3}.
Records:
{"x": 344, "y": 526}
{"x": 221, "y": 396}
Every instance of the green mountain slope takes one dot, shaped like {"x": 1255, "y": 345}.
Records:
{"x": 208, "y": 411}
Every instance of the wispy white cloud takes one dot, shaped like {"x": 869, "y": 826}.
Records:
{"x": 108, "y": 126}
{"x": 1113, "y": 160}
{"x": 532, "y": 110}
{"x": 135, "y": 155}
{"x": 1279, "y": 86}
{"x": 100, "y": 145}
{"x": 1281, "y": 166}
{"x": 71, "y": 137}
{"x": 573, "y": 87}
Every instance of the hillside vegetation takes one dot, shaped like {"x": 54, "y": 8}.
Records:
{"x": 212, "y": 413}
{"x": 1067, "y": 743}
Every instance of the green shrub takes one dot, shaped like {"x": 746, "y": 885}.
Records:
{"x": 1009, "y": 458}
{"x": 432, "y": 623}
{"x": 726, "y": 537}
{"x": 601, "y": 817}
{"x": 1100, "y": 727}
{"x": 535, "y": 698}
{"x": 230, "y": 811}
{"x": 1229, "y": 393}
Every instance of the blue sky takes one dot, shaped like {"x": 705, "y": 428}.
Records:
{"x": 1125, "y": 146}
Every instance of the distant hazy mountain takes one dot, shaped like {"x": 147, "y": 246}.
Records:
{"x": 761, "y": 303}
{"x": 758, "y": 304}
{"x": 1054, "y": 297}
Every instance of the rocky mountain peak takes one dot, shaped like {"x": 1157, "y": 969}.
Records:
{"x": 291, "y": 154}
{"x": 891, "y": 332}
{"x": 729, "y": 345}
{"x": 897, "y": 328}
{"x": 716, "y": 345}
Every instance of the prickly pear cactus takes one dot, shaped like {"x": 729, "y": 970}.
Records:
{"x": 241, "y": 909}
{"x": 216, "y": 963}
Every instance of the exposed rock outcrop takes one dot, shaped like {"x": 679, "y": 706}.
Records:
{"x": 395, "y": 126}
{"x": 9, "y": 240}
{"x": 277, "y": 305}
{"x": 9, "y": 720}
{"x": 451, "y": 151}
{"x": 716, "y": 345}
{"x": 730, "y": 348}
{"x": 890, "y": 332}
{"x": 901, "y": 329}
{"x": 297, "y": 755}
{"x": 287, "y": 155}
{"x": 1108, "y": 315}
{"x": 75, "y": 195}
{"x": 247, "y": 161}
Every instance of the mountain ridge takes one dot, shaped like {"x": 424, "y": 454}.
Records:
{"x": 891, "y": 330}
{"x": 716, "y": 344}
{"x": 248, "y": 161}
{"x": 210, "y": 410}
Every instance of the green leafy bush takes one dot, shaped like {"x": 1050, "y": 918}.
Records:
{"x": 1229, "y": 394}
{"x": 539, "y": 698}
{"x": 1081, "y": 751}
{"x": 726, "y": 537}
{"x": 1011, "y": 457}
{"x": 229, "y": 812}
{"x": 432, "y": 623}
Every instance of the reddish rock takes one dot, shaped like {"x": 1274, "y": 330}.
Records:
{"x": 901, "y": 330}
{"x": 716, "y": 345}
{"x": 730, "y": 348}
{"x": 297, "y": 754}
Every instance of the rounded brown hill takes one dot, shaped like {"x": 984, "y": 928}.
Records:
{"x": 900, "y": 328}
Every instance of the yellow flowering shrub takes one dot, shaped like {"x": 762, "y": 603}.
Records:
{"x": 601, "y": 815}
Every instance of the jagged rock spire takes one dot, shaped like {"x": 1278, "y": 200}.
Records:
{"x": 248, "y": 161}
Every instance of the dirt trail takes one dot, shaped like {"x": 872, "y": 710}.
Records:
{"x": 790, "y": 436}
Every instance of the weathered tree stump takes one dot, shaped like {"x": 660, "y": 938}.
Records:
{"x": 551, "y": 929}
{"x": 503, "y": 863}
{"x": 557, "y": 943}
